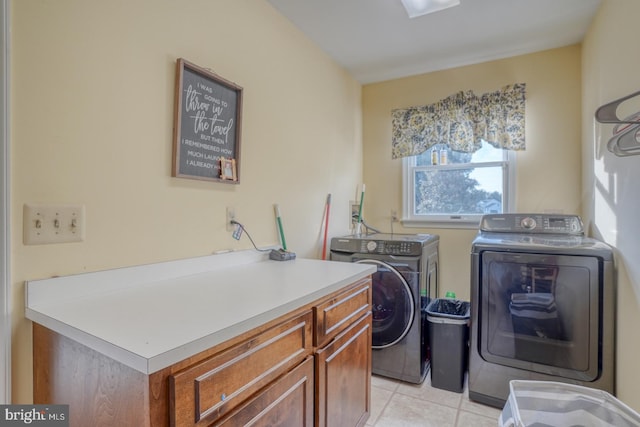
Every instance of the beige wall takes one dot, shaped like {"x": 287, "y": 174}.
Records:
{"x": 92, "y": 111}
{"x": 92, "y": 102}
{"x": 548, "y": 172}
{"x": 611, "y": 64}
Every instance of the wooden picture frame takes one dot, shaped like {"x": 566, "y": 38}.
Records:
{"x": 228, "y": 169}
{"x": 207, "y": 124}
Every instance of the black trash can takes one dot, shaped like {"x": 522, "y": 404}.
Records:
{"x": 448, "y": 337}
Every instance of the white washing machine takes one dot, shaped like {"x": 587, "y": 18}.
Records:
{"x": 403, "y": 285}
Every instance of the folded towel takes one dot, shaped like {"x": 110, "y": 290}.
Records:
{"x": 533, "y": 305}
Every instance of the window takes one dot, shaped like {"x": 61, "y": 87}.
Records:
{"x": 447, "y": 188}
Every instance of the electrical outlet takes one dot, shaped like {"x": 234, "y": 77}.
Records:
{"x": 394, "y": 215}
{"x": 43, "y": 224}
{"x": 231, "y": 216}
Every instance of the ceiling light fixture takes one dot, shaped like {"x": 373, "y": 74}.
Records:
{"x": 417, "y": 8}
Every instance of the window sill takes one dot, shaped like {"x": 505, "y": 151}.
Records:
{"x": 468, "y": 224}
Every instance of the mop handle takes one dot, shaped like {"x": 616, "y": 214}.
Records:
{"x": 326, "y": 227}
{"x": 280, "y": 229}
{"x": 361, "y": 203}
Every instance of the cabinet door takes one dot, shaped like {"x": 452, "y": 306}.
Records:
{"x": 286, "y": 402}
{"x": 343, "y": 377}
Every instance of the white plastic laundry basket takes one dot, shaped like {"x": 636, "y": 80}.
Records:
{"x": 548, "y": 403}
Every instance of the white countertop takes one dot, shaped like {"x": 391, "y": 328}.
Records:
{"x": 152, "y": 316}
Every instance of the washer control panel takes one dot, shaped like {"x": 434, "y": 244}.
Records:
{"x": 384, "y": 244}
{"x": 390, "y": 247}
{"x": 533, "y": 223}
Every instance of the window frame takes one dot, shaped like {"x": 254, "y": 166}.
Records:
{"x": 470, "y": 221}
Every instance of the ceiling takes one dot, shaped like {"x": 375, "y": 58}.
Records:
{"x": 375, "y": 39}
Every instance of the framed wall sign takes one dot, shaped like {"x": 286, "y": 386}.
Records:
{"x": 207, "y": 124}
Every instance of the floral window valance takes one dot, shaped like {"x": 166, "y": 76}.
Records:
{"x": 462, "y": 121}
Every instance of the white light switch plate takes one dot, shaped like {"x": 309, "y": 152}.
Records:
{"x": 44, "y": 224}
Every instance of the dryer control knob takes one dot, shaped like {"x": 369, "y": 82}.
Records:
{"x": 371, "y": 246}
{"x": 528, "y": 223}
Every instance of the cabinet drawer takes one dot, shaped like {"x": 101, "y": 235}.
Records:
{"x": 286, "y": 402}
{"x": 338, "y": 312}
{"x": 204, "y": 392}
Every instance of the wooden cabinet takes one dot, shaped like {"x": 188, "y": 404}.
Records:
{"x": 343, "y": 358}
{"x": 208, "y": 390}
{"x": 336, "y": 313}
{"x": 343, "y": 377}
{"x": 99, "y": 390}
{"x": 309, "y": 367}
{"x": 288, "y": 401}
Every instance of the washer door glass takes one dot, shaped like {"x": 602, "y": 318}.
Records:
{"x": 393, "y": 305}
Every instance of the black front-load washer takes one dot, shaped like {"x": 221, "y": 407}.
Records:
{"x": 405, "y": 281}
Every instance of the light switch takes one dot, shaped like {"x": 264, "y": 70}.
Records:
{"x": 44, "y": 224}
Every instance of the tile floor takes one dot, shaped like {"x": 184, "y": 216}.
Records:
{"x": 396, "y": 403}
